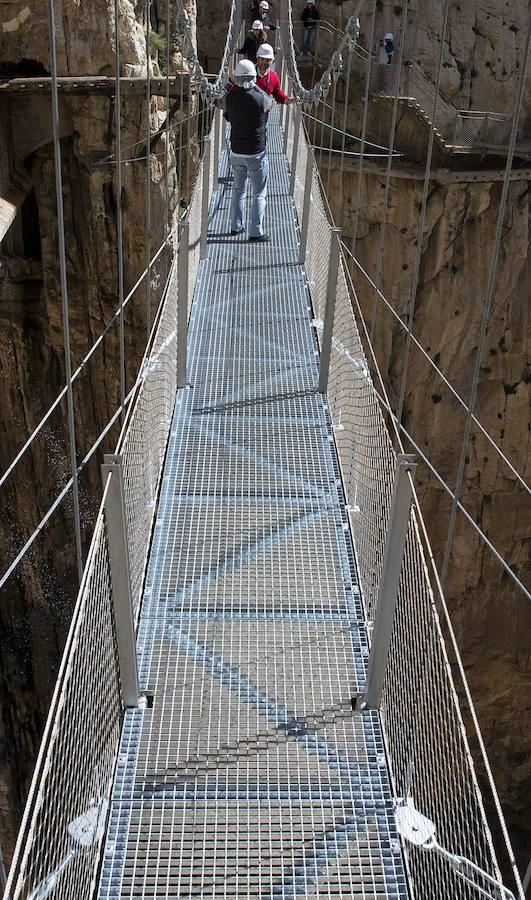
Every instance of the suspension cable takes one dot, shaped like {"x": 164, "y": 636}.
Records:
{"x": 399, "y": 428}
{"x": 422, "y": 219}
{"x": 79, "y": 369}
{"x": 487, "y": 302}
{"x": 119, "y": 219}
{"x": 64, "y": 285}
{"x": 440, "y": 373}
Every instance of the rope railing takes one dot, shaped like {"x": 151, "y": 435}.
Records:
{"x": 433, "y": 772}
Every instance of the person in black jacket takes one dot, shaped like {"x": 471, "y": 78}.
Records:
{"x": 310, "y": 16}
{"x": 253, "y": 41}
{"x": 246, "y": 108}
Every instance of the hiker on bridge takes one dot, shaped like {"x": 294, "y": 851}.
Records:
{"x": 247, "y": 108}
{"x": 310, "y": 16}
{"x": 254, "y": 39}
{"x": 267, "y": 79}
{"x": 264, "y": 16}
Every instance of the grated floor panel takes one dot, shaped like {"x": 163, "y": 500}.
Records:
{"x": 249, "y": 776}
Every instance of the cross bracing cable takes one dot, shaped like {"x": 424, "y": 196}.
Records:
{"x": 64, "y": 285}
{"x": 399, "y": 430}
{"x": 80, "y": 368}
{"x": 145, "y": 368}
{"x": 439, "y": 372}
{"x": 487, "y": 303}
{"x": 351, "y": 137}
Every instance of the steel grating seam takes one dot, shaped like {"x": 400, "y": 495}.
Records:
{"x": 249, "y": 776}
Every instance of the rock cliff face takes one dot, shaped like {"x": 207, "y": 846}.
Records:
{"x": 37, "y": 599}
{"x": 491, "y": 617}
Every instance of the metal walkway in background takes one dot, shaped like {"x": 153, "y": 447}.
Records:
{"x": 249, "y": 776}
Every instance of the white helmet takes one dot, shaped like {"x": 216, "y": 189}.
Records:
{"x": 245, "y": 69}
{"x": 257, "y": 25}
{"x": 388, "y": 36}
{"x": 265, "y": 51}
{"x": 263, "y": 4}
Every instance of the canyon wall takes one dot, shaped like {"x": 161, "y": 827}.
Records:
{"x": 490, "y": 615}
{"x": 37, "y": 600}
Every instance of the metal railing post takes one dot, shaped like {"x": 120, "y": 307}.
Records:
{"x": 121, "y": 579}
{"x": 217, "y": 139}
{"x": 330, "y": 308}
{"x": 205, "y": 198}
{"x": 388, "y": 593}
{"x": 286, "y": 127}
{"x": 295, "y": 151}
{"x": 183, "y": 254}
{"x": 308, "y": 182}
{"x": 223, "y": 131}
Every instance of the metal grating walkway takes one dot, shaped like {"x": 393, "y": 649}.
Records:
{"x": 249, "y": 776}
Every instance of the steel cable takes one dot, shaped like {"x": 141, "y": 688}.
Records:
{"x": 64, "y": 286}
{"x": 487, "y": 303}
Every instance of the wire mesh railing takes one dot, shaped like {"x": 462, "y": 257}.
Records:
{"x": 59, "y": 842}
{"x": 465, "y": 129}
{"x": 428, "y": 752}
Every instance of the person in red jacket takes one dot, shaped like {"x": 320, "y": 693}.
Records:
{"x": 267, "y": 79}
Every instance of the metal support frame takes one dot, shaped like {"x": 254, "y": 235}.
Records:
{"x": 217, "y": 147}
{"x": 121, "y": 579}
{"x": 330, "y": 308}
{"x": 388, "y": 594}
{"x": 205, "y": 198}
{"x": 308, "y": 181}
{"x": 294, "y": 155}
{"x": 182, "y": 301}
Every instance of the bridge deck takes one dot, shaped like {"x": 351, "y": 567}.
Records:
{"x": 249, "y": 776}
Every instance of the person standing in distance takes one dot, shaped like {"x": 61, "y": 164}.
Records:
{"x": 247, "y": 108}
{"x": 310, "y": 16}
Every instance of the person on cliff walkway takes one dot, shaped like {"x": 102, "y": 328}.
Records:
{"x": 267, "y": 79}
{"x": 310, "y": 16}
{"x": 253, "y": 40}
{"x": 246, "y": 108}
{"x": 389, "y": 46}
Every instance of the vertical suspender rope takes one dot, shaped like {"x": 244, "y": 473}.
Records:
{"x": 339, "y": 205}
{"x": 378, "y": 278}
{"x": 363, "y": 133}
{"x": 331, "y": 141}
{"x": 181, "y": 146}
{"x": 119, "y": 220}
{"x": 422, "y": 220}
{"x": 487, "y": 303}
{"x": 64, "y": 286}
{"x": 148, "y": 169}
{"x": 167, "y": 226}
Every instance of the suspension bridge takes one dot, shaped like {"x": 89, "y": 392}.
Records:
{"x": 255, "y": 698}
